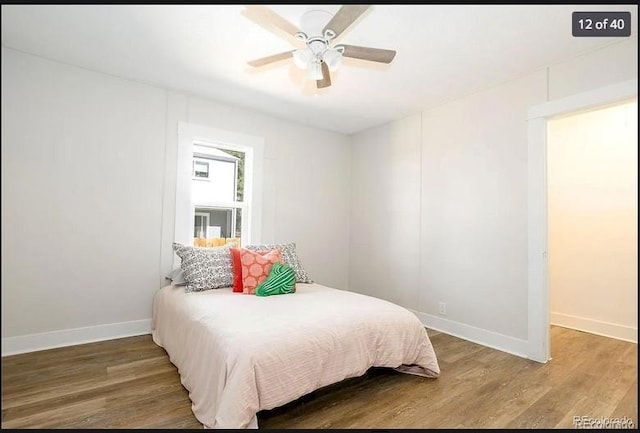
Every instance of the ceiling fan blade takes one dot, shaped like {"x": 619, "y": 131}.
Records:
{"x": 265, "y": 17}
{"x": 345, "y": 16}
{"x": 326, "y": 78}
{"x": 270, "y": 59}
{"x": 368, "y": 53}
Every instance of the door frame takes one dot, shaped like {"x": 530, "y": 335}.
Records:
{"x": 538, "y": 279}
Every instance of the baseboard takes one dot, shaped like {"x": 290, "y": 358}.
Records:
{"x": 71, "y": 337}
{"x": 504, "y": 343}
{"x": 606, "y": 329}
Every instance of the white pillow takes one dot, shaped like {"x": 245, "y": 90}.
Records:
{"x": 177, "y": 277}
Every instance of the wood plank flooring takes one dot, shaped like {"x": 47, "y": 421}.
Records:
{"x": 130, "y": 383}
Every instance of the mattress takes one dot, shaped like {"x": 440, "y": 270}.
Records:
{"x": 238, "y": 354}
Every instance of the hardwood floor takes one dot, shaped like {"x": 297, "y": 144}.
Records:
{"x": 130, "y": 383}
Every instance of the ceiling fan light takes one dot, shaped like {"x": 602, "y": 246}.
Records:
{"x": 332, "y": 58}
{"x": 301, "y": 59}
{"x": 315, "y": 71}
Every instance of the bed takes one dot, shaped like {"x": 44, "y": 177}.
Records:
{"x": 238, "y": 354}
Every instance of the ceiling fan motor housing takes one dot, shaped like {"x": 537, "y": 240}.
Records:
{"x": 312, "y": 22}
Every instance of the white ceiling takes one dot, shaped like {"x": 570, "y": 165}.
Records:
{"x": 443, "y": 52}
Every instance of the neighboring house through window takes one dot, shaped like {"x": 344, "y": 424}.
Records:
{"x": 219, "y": 188}
{"x": 217, "y": 191}
{"x": 200, "y": 168}
{"x": 201, "y": 224}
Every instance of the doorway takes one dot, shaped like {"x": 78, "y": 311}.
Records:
{"x": 537, "y": 245}
{"x": 592, "y": 214}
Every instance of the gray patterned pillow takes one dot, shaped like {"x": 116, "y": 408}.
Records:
{"x": 205, "y": 268}
{"x": 289, "y": 257}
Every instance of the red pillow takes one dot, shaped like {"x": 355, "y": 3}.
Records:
{"x": 238, "y": 287}
{"x": 237, "y": 270}
{"x": 256, "y": 267}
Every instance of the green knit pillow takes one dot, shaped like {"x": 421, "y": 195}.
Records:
{"x": 281, "y": 280}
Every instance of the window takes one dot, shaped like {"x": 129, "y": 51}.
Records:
{"x": 219, "y": 202}
{"x": 200, "y": 168}
{"x": 226, "y": 208}
{"x": 201, "y": 224}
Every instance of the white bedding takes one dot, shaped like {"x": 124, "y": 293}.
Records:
{"x": 238, "y": 354}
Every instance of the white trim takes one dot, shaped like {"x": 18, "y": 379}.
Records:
{"x": 537, "y": 279}
{"x": 221, "y": 204}
{"x": 585, "y": 101}
{"x": 538, "y": 290}
{"x": 71, "y": 337}
{"x": 606, "y": 329}
{"x": 504, "y": 343}
{"x": 253, "y": 146}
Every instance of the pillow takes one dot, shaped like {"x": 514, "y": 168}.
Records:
{"x": 256, "y": 267}
{"x": 177, "y": 277}
{"x": 237, "y": 270}
{"x": 205, "y": 268}
{"x": 281, "y": 280}
{"x": 289, "y": 258}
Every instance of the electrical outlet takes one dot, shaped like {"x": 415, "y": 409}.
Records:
{"x": 442, "y": 308}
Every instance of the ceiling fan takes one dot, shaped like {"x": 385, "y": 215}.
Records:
{"x": 319, "y": 56}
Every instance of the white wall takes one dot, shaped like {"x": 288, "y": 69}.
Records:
{"x": 592, "y": 176}
{"x": 82, "y": 168}
{"x": 472, "y": 228}
{"x": 474, "y": 215}
{"x": 88, "y": 197}
{"x": 385, "y": 212}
